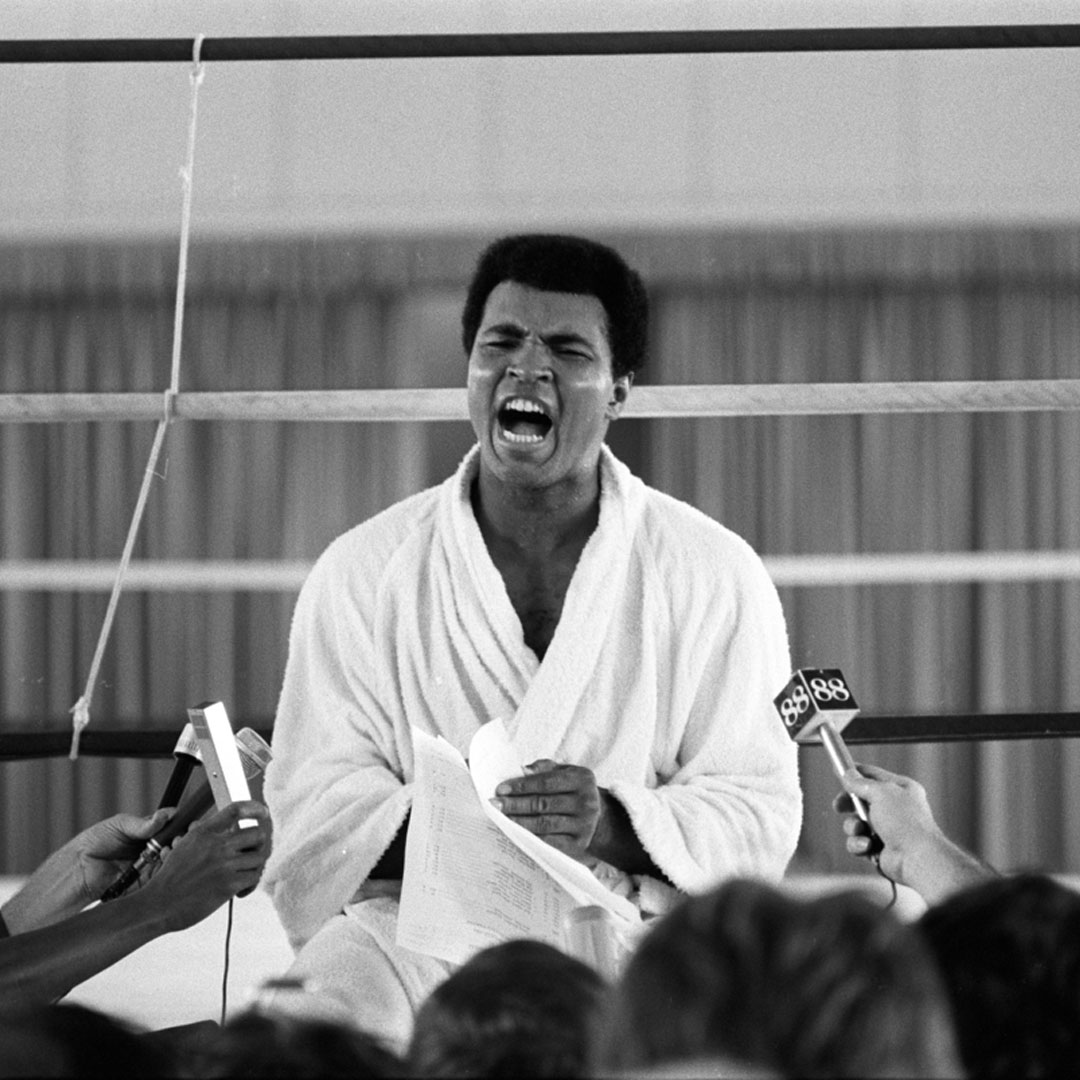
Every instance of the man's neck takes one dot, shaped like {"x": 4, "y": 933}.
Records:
{"x": 536, "y": 522}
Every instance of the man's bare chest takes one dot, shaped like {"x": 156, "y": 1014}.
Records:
{"x": 537, "y": 594}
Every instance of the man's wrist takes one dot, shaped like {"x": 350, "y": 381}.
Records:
{"x": 604, "y": 834}
{"x": 943, "y": 868}
{"x": 616, "y": 842}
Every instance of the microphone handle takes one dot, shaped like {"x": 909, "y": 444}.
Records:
{"x": 185, "y": 765}
{"x": 841, "y": 759}
{"x": 194, "y": 807}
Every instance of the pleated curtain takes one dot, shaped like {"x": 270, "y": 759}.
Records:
{"x": 344, "y": 312}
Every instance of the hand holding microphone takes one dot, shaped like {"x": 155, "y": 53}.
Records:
{"x": 215, "y": 860}
{"x": 917, "y": 853}
{"x": 254, "y": 756}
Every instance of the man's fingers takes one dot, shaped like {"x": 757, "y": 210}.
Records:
{"x": 858, "y": 845}
{"x": 879, "y": 775}
{"x": 551, "y": 824}
{"x": 155, "y": 821}
{"x": 226, "y": 819}
{"x": 248, "y": 862}
{"x": 134, "y": 828}
{"x": 562, "y": 843}
{"x": 561, "y": 779}
{"x": 867, "y": 788}
{"x": 531, "y": 805}
{"x": 855, "y": 826}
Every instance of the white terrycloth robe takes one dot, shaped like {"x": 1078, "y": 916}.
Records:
{"x": 659, "y": 678}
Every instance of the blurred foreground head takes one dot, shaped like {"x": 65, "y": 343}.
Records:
{"x": 520, "y": 1009}
{"x": 1009, "y": 952}
{"x": 70, "y": 1040}
{"x": 270, "y": 1045}
{"x": 746, "y": 975}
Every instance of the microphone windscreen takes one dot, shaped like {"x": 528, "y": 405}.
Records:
{"x": 188, "y": 743}
{"x": 254, "y": 751}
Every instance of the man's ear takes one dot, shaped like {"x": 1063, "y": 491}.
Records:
{"x": 620, "y": 391}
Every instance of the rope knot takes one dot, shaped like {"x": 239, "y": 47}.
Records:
{"x": 81, "y": 713}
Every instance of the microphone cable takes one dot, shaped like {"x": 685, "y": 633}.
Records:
{"x": 225, "y": 972}
{"x": 876, "y": 859}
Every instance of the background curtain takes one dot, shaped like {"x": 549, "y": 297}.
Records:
{"x": 383, "y": 312}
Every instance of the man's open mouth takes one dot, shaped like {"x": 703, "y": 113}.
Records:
{"x": 524, "y": 421}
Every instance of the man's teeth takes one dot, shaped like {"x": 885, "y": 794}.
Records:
{"x": 523, "y": 405}
{"x": 515, "y": 428}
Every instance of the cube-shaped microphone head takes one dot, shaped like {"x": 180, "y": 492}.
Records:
{"x": 811, "y": 697}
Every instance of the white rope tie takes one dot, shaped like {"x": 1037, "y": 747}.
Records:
{"x": 81, "y": 709}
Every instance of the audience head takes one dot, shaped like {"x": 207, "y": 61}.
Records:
{"x": 1009, "y": 952}
{"x": 830, "y": 986}
{"x": 566, "y": 264}
{"x": 270, "y": 1045}
{"x": 74, "y": 1041}
{"x": 522, "y": 1009}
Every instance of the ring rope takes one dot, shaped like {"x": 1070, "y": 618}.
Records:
{"x": 81, "y": 709}
{"x": 572, "y": 43}
{"x": 287, "y": 575}
{"x": 645, "y": 402}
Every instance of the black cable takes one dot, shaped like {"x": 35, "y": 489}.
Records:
{"x": 877, "y": 865}
{"x": 225, "y": 974}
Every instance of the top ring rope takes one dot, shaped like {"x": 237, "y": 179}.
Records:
{"x": 648, "y": 401}
{"x": 81, "y": 709}
{"x": 587, "y": 43}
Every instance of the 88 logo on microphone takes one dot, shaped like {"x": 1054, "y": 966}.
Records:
{"x": 828, "y": 687}
{"x": 813, "y": 693}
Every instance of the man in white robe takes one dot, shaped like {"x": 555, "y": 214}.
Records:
{"x": 631, "y": 645}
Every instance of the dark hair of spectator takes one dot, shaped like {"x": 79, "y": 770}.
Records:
{"x": 69, "y": 1040}
{"x": 520, "y": 1009}
{"x": 1009, "y": 951}
{"x": 267, "y": 1045}
{"x": 831, "y": 986}
{"x": 566, "y": 264}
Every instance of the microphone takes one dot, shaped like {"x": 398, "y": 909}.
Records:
{"x": 254, "y": 757}
{"x": 187, "y": 756}
{"x": 816, "y": 705}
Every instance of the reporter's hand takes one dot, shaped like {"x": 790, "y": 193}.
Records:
{"x": 916, "y": 853}
{"x": 213, "y": 861}
{"x": 77, "y": 873}
{"x": 900, "y": 813}
{"x": 559, "y": 803}
{"x": 102, "y": 852}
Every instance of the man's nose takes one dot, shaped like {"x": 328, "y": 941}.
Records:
{"x": 532, "y": 361}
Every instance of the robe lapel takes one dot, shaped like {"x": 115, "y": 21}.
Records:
{"x": 475, "y": 599}
{"x": 594, "y": 596}
{"x": 493, "y": 646}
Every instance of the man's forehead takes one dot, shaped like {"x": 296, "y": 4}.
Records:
{"x": 545, "y": 312}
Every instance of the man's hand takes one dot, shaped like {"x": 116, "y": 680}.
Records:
{"x": 916, "y": 853}
{"x": 559, "y": 803}
{"x": 79, "y": 872}
{"x": 105, "y": 850}
{"x": 213, "y": 861}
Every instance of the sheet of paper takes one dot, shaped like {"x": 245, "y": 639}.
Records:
{"x": 491, "y": 761}
{"x": 466, "y": 884}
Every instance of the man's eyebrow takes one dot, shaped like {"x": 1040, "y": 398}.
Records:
{"x": 556, "y": 338}
{"x": 503, "y": 328}
{"x": 567, "y": 337}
